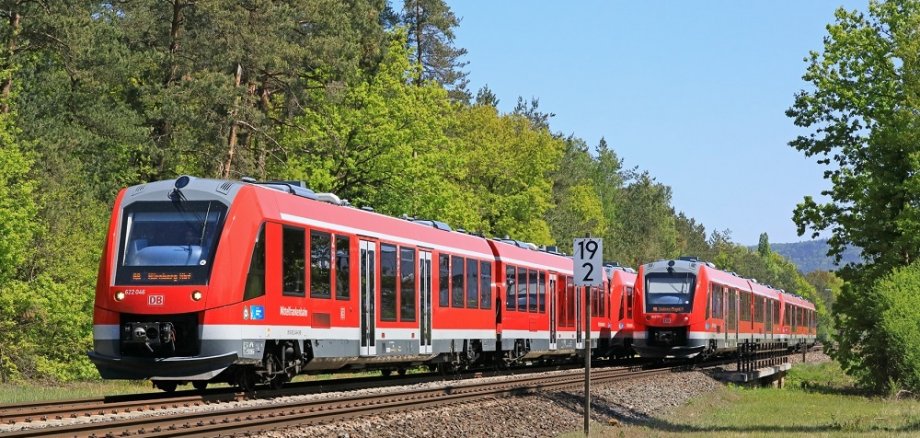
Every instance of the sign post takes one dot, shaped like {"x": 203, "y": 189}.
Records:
{"x": 589, "y": 272}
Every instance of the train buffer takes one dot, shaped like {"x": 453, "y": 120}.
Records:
{"x": 759, "y": 363}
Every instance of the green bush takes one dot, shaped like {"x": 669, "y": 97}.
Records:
{"x": 45, "y": 332}
{"x": 898, "y": 328}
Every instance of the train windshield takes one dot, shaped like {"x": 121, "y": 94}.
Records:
{"x": 167, "y": 242}
{"x": 669, "y": 293}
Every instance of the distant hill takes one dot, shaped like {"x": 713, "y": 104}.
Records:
{"x": 812, "y": 255}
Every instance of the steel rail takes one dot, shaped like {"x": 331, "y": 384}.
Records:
{"x": 261, "y": 418}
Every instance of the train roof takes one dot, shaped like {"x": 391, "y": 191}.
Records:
{"x": 798, "y": 301}
{"x": 361, "y": 222}
{"x": 763, "y": 290}
{"x": 512, "y": 253}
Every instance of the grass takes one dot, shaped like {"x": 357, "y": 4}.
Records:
{"x": 15, "y": 393}
{"x": 819, "y": 400}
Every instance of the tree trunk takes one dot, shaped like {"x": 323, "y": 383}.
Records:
{"x": 7, "y": 66}
{"x": 176, "y": 24}
{"x": 418, "y": 41}
{"x": 234, "y": 127}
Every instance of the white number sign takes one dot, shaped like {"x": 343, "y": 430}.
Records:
{"x": 589, "y": 254}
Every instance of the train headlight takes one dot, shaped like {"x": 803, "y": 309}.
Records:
{"x": 197, "y": 295}
{"x": 120, "y": 295}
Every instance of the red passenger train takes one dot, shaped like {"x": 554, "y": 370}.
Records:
{"x": 686, "y": 307}
{"x": 244, "y": 282}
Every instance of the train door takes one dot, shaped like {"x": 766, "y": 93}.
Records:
{"x": 368, "y": 273}
{"x": 731, "y": 334}
{"x": 552, "y": 312}
{"x": 424, "y": 271}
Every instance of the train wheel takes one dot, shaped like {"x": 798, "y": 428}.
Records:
{"x": 386, "y": 372}
{"x": 401, "y": 371}
{"x": 200, "y": 385}
{"x": 166, "y": 385}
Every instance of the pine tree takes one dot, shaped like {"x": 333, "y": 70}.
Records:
{"x": 431, "y": 26}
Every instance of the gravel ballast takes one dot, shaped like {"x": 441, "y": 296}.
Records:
{"x": 544, "y": 414}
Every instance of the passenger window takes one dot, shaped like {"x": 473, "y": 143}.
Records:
{"x": 541, "y": 291}
{"x": 320, "y": 264}
{"x": 407, "y": 284}
{"x": 510, "y": 290}
{"x": 571, "y": 306}
{"x": 255, "y": 279}
{"x": 443, "y": 280}
{"x": 342, "y": 271}
{"x": 532, "y": 287}
{"x": 472, "y": 284}
{"x": 709, "y": 302}
{"x": 522, "y": 290}
{"x": 293, "y": 260}
{"x": 622, "y": 304}
{"x": 629, "y": 302}
{"x": 485, "y": 285}
{"x": 387, "y": 282}
{"x": 456, "y": 276}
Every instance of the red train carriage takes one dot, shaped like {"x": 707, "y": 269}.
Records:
{"x": 617, "y": 341}
{"x": 205, "y": 280}
{"x": 219, "y": 280}
{"x": 686, "y": 307}
{"x": 799, "y": 320}
{"x": 529, "y": 284}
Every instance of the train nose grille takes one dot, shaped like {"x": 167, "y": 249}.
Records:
{"x": 668, "y": 337}
{"x": 159, "y": 335}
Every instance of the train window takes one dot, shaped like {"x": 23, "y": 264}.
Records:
{"x": 775, "y": 311}
{"x": 532, "y": 295}
{"x": 166, "y": 242}
{"x": 510, "y": 281}
{"x": 485, "y": 285}
{"x": 472, "y": 284}
{"x": 342, "y": 271}
{"x": 522, "y": 290}
{"x": 715, "y": 299}
{"x": 456, "y": 276}
{"x": 443, "y": 280}
{"x": 293, "y": 260}
{"x": 255, "y": 279}
{"x": 594, "y": 300}
{"x": 622, "y": 304}
{"x": 745, "y": 306}
{"x": 709, "y": 302}
{"x": 541, "y": 291}
{"x": 758, "y": 309}
{"x": 571, "y": 305}
{"x": 629, "y": 302}
{"x": 407, "y": 284}
{"x": 387, "y": 282}
{"x": 320, "y": 264}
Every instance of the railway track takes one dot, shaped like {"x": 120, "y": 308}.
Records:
{"x": 114, "y": 405}
{"x": 256, "y": 419}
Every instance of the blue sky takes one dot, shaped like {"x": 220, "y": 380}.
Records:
{"x": 694, "y": 92}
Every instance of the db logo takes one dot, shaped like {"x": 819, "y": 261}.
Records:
{"x": 156, "y": 300}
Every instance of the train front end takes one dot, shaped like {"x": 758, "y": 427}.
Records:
{"x": 668, "y": 308}
{"x": 154, "y": 283}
